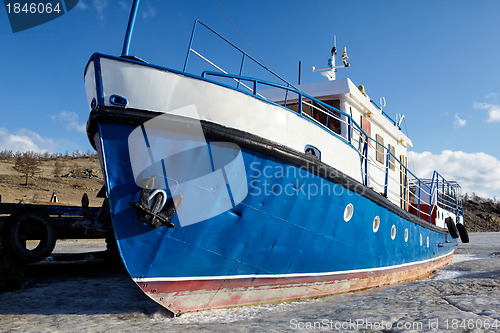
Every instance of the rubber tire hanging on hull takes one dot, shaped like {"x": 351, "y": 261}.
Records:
{"x": 452, "y": 227}
{"x": 464, "y": 235}
{"x": 39, "y": 223}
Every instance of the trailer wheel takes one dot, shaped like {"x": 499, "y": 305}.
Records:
{"x": 30, "y": 226}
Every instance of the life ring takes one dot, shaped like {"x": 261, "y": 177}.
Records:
{"x": 464, "y": 235}
{"x": 452, "y": 227}
{"x": 28, "y": 224}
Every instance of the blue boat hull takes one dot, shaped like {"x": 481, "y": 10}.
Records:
{"x": 287, "y": 239}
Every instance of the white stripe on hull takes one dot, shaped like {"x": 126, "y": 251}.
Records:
{"x": 251, "y": 276}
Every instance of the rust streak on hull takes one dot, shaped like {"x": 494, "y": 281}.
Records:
{"x": 195, "y": 295}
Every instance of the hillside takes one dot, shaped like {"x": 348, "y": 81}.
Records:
{"x": 73, "y": 177}
{"x": 481, "y": 215}
{"x": 82, "y": 174}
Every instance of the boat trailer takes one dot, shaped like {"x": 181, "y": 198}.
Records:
{"x": 28, "y": 233}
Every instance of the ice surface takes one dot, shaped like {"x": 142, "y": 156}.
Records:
{"x": 462, "y": 297}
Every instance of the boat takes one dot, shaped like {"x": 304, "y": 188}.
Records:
{"x": 228, "y": 190}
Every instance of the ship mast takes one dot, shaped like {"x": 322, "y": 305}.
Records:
{"x": 330, "y": 71}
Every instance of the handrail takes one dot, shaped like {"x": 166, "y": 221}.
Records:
{"x": 448, "y": 198}
{"x": 130, "y": 28}
{"x": 423, "y": 192}
{"x": 330, "y": 109}
{"x": 196, "y": 22}
{"x": 385, "y": 114}
{"x": 425, "y": 188}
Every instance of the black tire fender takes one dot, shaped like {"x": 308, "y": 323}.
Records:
{"x": 452, "y": 227}
{"x": 34, "y": 222}
{"x": 464, "y": 235}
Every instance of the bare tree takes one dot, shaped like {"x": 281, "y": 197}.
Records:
{"x": 58, "y": 168}
{"x": 6, "y": 153}
{"x": 28, "y": 165}
{"x": 77, "y": 171}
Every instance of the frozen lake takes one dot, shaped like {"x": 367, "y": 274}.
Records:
{"x": 99, "y": 297}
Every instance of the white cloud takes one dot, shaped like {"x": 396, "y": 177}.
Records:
{"x": 82, "y": 5}
{"x": 493, "y": 110}
{"x": 124, "y": 5}
{"x": 150, "y": 11}
{"x": 459, "y": 122}
{"x": 475, "y": 172}
{"x": 491, "y": 96}
{"x": 70, "y": 121}
{"x": 100, "y": 6}
{"x": 24, "y": 140}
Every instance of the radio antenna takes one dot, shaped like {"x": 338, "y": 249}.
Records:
{"x": 330, "y": 71}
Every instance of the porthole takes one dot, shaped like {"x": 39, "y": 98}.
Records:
{"x": 376, "y": 223}
{"x": 406, "y": 235}
{"x": 348, "y": 212}
{"x": 421, "y": 240}
{"x": 393, "y": 232}
{"x": 427, "y": 241}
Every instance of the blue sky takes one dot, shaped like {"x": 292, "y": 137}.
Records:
{"x": 433, "y": 61}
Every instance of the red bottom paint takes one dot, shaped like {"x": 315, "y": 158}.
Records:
{"x": 194, "y": 295}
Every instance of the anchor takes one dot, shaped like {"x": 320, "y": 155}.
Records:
{"x": 154, "y": 208}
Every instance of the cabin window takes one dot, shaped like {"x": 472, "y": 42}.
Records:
{"x": 392, "y": 159}
{"x": 306, "y": 107}
{"x": 293, "y": 107}
{"x": 380, "y": 148}
{"x": 335, "y": 103}
{"x": 330, "y": 120}
{"x": 291, "y": 101}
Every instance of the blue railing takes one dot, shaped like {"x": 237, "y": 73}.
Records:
{"x": 447, "y": 193}
{"x": 329, "y": 110}
{"x": 385, "y": 114}
{"x": 244, "y": 55}
{"x": 423, "y": 191}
